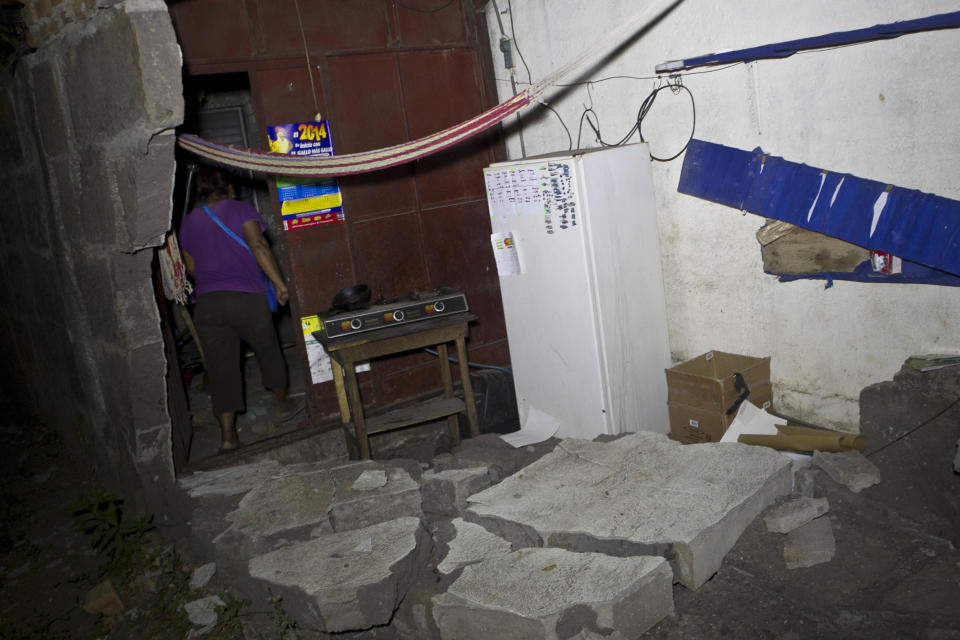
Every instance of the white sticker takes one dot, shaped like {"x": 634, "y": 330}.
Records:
{"x": 694, "y": 423}
{"x": 766, "y": 405}
{"x": 710, "y": 355}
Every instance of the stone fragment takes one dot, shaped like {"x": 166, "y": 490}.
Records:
{"x": 203, "y": 612}
{"x": 103, "y": 599}
{"x": 553, "y": 593}
{"x": 202, "y": 575}
{"x": 809, "y": 545}
{"x": 643, "y": 494}
{"x": 786, "y": 517}
{"x": 445, "y": 493}
{"x": 805, "y": 482}
{"x": 472, "y": 544}
{"x": 285, "y": 502}
{"x": 346, "y": 581}
{"x": 229, "y": 481}
{"x": 398, "y": 498}
{"x": 849, "y": 468}
{"x": 370, "y": 479}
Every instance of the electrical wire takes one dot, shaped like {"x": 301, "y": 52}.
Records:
{"x": 476, "y": 365}
{"x": 440, "y": 8}
{"x": 675, "y": 86}
{"x": 916, "y": 428}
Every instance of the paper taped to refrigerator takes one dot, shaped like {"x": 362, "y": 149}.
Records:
{"x": 505, "y": 252}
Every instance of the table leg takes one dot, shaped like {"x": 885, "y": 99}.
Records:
{"x": 467, "y": 387}
{"x": 453, "y": 422}
{"x": 353, "y": 446}
{"x": 359, "y": 424}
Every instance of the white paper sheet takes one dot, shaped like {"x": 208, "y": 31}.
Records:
{"x": 320, "y": 369}
{"x": 755, "y": 421}
{"x": 505, "y": 252}
{"x": 538, "y": 427}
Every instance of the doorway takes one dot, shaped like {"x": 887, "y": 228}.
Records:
{"x": 219, "y": 107}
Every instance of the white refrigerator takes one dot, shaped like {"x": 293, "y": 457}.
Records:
{"x": 578, "y": 253}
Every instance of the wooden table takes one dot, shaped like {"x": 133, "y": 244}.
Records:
{"x": 346, "y": 351}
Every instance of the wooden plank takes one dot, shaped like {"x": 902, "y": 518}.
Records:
{"x": 415, "y": 414}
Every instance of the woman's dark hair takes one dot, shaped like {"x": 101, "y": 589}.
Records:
{"x": 212, "y": 185}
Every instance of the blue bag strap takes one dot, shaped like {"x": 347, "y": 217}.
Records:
{"x": 226, "y": 229}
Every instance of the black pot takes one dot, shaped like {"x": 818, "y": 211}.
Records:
{"x": 351, "y": 298}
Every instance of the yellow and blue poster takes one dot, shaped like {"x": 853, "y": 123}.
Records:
{"x": 306, "y": 202}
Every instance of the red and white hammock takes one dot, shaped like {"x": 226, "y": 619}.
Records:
{"x": 332, "y": 166}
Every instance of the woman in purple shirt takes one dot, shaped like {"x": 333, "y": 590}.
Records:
{"x": 231, "y": 303}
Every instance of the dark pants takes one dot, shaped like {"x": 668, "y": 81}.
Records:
{"x": 224, "y": 319}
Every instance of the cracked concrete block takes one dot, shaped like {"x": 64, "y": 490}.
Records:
{"x": 445, "y": 493}
{"x": 284, "y": 503}
{"x": 347, "y": 581}
{"x": 786, "y": 517}
{"x": 471, "y": 544}
{"x": 553, "y": 593}
{"x": 229, "y": 481}
{"x": 643, "y": 494}
{"x": 355, "y": 509}
{"x": 849, "y": 468}
{"x": 809, "y": 545}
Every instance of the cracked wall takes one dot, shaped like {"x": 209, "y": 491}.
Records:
{"x": 87, "y": 129}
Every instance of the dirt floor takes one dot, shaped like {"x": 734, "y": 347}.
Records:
{"x": 895, "y": 572}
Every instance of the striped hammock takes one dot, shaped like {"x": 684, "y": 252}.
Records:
{"x": 272, "y": 163}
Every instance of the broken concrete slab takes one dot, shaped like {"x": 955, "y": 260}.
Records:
{"x": 445, "y": 493}
{"x": 489, "y": 450}
{"x": 345, "y": 581}
{"x": 229, "y": 481}
{"x": 794, "y": 513}
{"x": 641, "y": 495}
{"x": 849, "y": 468}
{"x": 202, "y": 575}
{"x": 471, "y": 544}
{"x": 354, "y": 508}
{"x": 810, "y": 545}
{"x": 203, "y": 612}
{"x": 284, "y": 502}
{"x": 553, "y": 593}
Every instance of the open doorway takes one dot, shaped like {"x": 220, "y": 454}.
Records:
{"x": 219, "y": 107}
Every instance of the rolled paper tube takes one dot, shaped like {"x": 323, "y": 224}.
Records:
{"x": 833, "y": 442}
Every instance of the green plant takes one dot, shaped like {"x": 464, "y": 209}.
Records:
{"x": 285, "y": 625}
{"x": 100, "y": 515}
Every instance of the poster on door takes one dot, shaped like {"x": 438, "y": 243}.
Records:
{"x": 306, "y": 202}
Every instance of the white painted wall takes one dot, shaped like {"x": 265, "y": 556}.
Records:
{"x": 885, "y": 110}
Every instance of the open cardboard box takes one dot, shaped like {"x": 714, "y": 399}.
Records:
{"x": 703, "y": 394}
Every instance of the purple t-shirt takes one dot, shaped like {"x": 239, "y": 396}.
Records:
{"x": 220, "y": 263}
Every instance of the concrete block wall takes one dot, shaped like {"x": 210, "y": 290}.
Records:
{"x": 87, "y": 164}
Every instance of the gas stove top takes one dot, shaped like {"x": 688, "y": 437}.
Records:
{"x": 382, "y": 313}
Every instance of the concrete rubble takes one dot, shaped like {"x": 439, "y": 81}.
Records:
{"x": 849, "y": 468}
{"x": 794, "y": 513}
{"x": 640, "y": 495}
{"x": 554, "y": 593}
{"x": 353, "y": 546}
{"x": 810, "y": 545}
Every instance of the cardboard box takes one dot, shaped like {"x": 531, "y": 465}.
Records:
{"x": 701, "y": 391}
{"x": 696, "y": 424}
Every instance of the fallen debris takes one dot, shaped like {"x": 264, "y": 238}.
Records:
{"x": 445, "y": 493}
{"x": 849, "y": 468}
{"x": 641, "y": 495}
{"x": 103, "y": 599}
{"x": 202, "y": 575}
{"x": 795, "y": 513}
{"x": 346, "y": 581}
{"x": 203, "y": 612}
{"x": 552, "y": 593}
{"x": 471, "y": 544}
{"x": 809, "y": 545}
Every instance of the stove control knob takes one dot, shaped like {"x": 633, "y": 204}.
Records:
{"x": 356, "y": 323}
{"x": 438, "y": 305}
{"x": 398, "y": 316}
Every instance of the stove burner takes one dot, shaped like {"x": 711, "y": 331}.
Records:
{"x": 415, "y": 306}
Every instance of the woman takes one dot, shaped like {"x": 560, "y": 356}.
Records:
{"x": 231, "y": 303}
